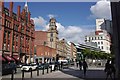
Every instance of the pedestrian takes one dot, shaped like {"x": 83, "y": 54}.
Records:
{"x": 108, "y": 69}
{"x": 113, "y": 68}
{"x": 85, "y": 66}
{"x": 61, "y": 65}
{"x": 77, "y": 63}
{"x": 80, "y": 65}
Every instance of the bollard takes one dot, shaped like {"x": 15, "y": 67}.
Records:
{"x": 47, "y": 69}
{"x": 57, "y": 66}
{"x": 23, "y": 74}
{"x": 43, "y": 70}
{"x": 12, "y": 76}
{"x": 37, "y": 71}
{"x": 50, "y": 68}
{"x": 31, "y": 72}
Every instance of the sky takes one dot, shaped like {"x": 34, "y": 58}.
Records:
{"x": 75, "y": 20}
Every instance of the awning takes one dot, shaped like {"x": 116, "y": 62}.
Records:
{"x": 9, "y": 58}
{"x": 1, "y": 58}
{"x": 16, "y": 57}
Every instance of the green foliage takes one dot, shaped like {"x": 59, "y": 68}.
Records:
{"x": 96, "y": 54}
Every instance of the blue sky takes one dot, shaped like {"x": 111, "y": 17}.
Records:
{"x": 70, "y": 16}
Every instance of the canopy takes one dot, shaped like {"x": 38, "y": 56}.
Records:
{"x": 16, "y": 57}
{"x": 9, "y": 58}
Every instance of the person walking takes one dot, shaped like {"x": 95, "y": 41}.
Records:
{"x": 108, "y": 69}
{"x": 80, "y": 65}
{"x": 77, "y": 63}
{"x": 61, "y": 65}
{"x": 113, "y": 68}
{"x": 85, "y": 66}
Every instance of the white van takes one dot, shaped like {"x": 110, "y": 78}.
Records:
{"x": 65, "y": 63}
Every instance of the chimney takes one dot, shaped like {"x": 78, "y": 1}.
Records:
{"x": 18, "y": 11}
{"x": 2, "y": 6}
{"x": 11, "y": 8}
{"x": 29, "y": 16}
{"x": 23, "y": 14}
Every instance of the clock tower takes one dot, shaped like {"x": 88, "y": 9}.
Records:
{"x": 52, "y": 34}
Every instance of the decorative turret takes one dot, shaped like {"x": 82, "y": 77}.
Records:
{"x": 26, "y": 7}
{"x": 52, "y": 24}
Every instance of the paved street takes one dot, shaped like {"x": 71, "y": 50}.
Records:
{"x": 71, "y": 72}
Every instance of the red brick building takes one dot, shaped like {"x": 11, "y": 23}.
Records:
{"x": 41, "y": 37}
{"x": 43, "y": 51}
{"x": 16, "y": 32}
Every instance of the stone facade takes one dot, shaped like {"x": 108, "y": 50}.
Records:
{"x": 52, "y": 34}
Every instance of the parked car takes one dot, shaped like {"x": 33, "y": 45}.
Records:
{"x": 27, "y": 67}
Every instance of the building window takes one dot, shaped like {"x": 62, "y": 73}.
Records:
{"x": 101, "y": 42}
{"x": 8, "y": 47}
{"x": 5, "y": 33}
{"x": 4, "y": 46}
{"x": 51, "y": 39}
{"x": 98, "y": 38}
{"x": 51, "y": 34}
{"x": 101, "y": 37}
{"x": 101, "y": 47}
{"x": 8, "y": 35}
{"x": 95, "y": 38}
{"x": 22, "y": 29}
{"x": 16, "y": 27}
{"x": 89, "y": 38}
{"x": 98, "y": 42}
{"x": 92, "y": 38}
{"x": 16, "y": 38}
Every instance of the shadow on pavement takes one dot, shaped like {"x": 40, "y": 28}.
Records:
{"x": 90, "y": 75}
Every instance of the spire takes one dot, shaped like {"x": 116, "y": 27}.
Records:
{"x": 26, "y": 6}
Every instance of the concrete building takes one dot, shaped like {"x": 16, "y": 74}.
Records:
{"x": 73, "y": 51}
{"x": 115, "y": 9}
{"x": 103, "y": 24}
{"x": 101, "y": 38}
{"x": 61, "y": 49}
{"x": 85, "y": 46}
{"x": 68, "y": 51}
{"x": 16, "y": 32}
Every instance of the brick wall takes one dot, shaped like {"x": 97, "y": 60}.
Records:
{"x": 40, "y": 37}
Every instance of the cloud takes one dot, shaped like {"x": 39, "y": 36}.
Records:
{"x": 73, "y": 33}
{"x": 101, "y": 9}
{"x": 39, "y": 22}
{"x": 51, "y": 16}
